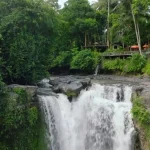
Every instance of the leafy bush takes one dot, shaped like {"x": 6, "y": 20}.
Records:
{"x": 115, "y": 64}
{"x": 146, "y": 69}
{"x": 132, "y": 64}
{"x": 85, "y": 60}
{"x": 62, "y": 60}
{"x": 140, "y": 113}
{"x": 135, "y": 63}
{"x": 120, "y": 50}
{"x": 142, "y": 117}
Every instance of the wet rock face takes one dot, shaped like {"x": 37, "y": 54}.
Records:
{"x": 46, "y": 92}
{"x": 31, "y": 93}
{"x": 69, "y": 85}
{"x": 32, "y": 90}
{"x": 146, "y": 95}
{"x": 135, "y": 140}
{"x": 143, "y": 90}
{"x": 44, "y": 84}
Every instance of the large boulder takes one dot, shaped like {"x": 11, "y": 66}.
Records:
{"x": 86, "y": 82}
{"x": 44, "y": 84}
{"x": 64, "y": 79}
{"x": 54, "y": 81}
{"x": 69, "y": 85}
{"x": 75, "y": 86}
{"x": 31, "y": 90}
{"x": 46, "y": 92}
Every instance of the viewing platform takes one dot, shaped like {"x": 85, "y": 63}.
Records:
{"x": 124, "y": 54}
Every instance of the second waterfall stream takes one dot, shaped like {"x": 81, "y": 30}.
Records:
{"x": 99, "y": 119}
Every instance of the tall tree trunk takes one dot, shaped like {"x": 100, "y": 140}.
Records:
{"x": 140, "y": 49}
{"x": 95, "y": 38}
{"x": 137, "y": 31}
{"x": 108, "y": 30}
{"x": 88, "y": 39}
{"x": 123, "y": 45}
{"x": 85, "y": 40}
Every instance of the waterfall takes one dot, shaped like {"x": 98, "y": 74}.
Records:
{"x": 99, "y": 119}
{"x": 96, "y": 70}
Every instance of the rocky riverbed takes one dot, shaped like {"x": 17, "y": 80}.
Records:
{"x": 141, "y": 85}
{"x": 72, "y": 85}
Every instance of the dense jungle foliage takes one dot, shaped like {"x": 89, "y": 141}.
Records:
{"x": 20, "y": 121}
{"x": 37, "y": 36}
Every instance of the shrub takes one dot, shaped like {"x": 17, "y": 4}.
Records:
{"x": 120, "y": 50}
{"x": 140, "y": 113}
{"x": 116, "y": 64}
{"x": 146, "y": 69}
{"x": 85, "y": 60}
{"x": 132, "y": 64}
{"x": 142, "y": 117}
{"x": 135, "y": 63}
{"x": 62, "y": 60}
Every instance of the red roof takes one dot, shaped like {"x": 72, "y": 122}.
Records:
{"x": 135, "y": 46}
{"x": 145, "y": 46}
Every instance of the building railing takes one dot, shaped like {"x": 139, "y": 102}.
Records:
{"x": 125, "y": 53}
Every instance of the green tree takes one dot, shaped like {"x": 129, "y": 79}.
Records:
{"x": 127, "y": 21}
{"x": 73, "y": 12}
{"x": 85, "y": 60}
{"x": 88, "y": 27}
{"x": 28, "y": 28}
{"x": 138, "y": 9}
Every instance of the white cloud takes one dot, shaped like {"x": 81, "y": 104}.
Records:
{"x": 61, "y": 2}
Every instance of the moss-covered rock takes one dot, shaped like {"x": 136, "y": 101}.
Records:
{"x": 71, "y": 94}
{"x": 69, "y": 85}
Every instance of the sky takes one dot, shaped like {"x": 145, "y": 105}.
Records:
{"x": 61, "y": 2}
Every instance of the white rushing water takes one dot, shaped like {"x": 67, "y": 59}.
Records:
{"x": 99, "y": 119}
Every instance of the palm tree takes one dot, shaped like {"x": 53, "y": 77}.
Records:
{"x": 128, "y": 4}
{"x": 110, "y": 6}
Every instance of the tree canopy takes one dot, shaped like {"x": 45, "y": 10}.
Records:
{"x": 33, "y": 33}
{"x": 27, "y": 29}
